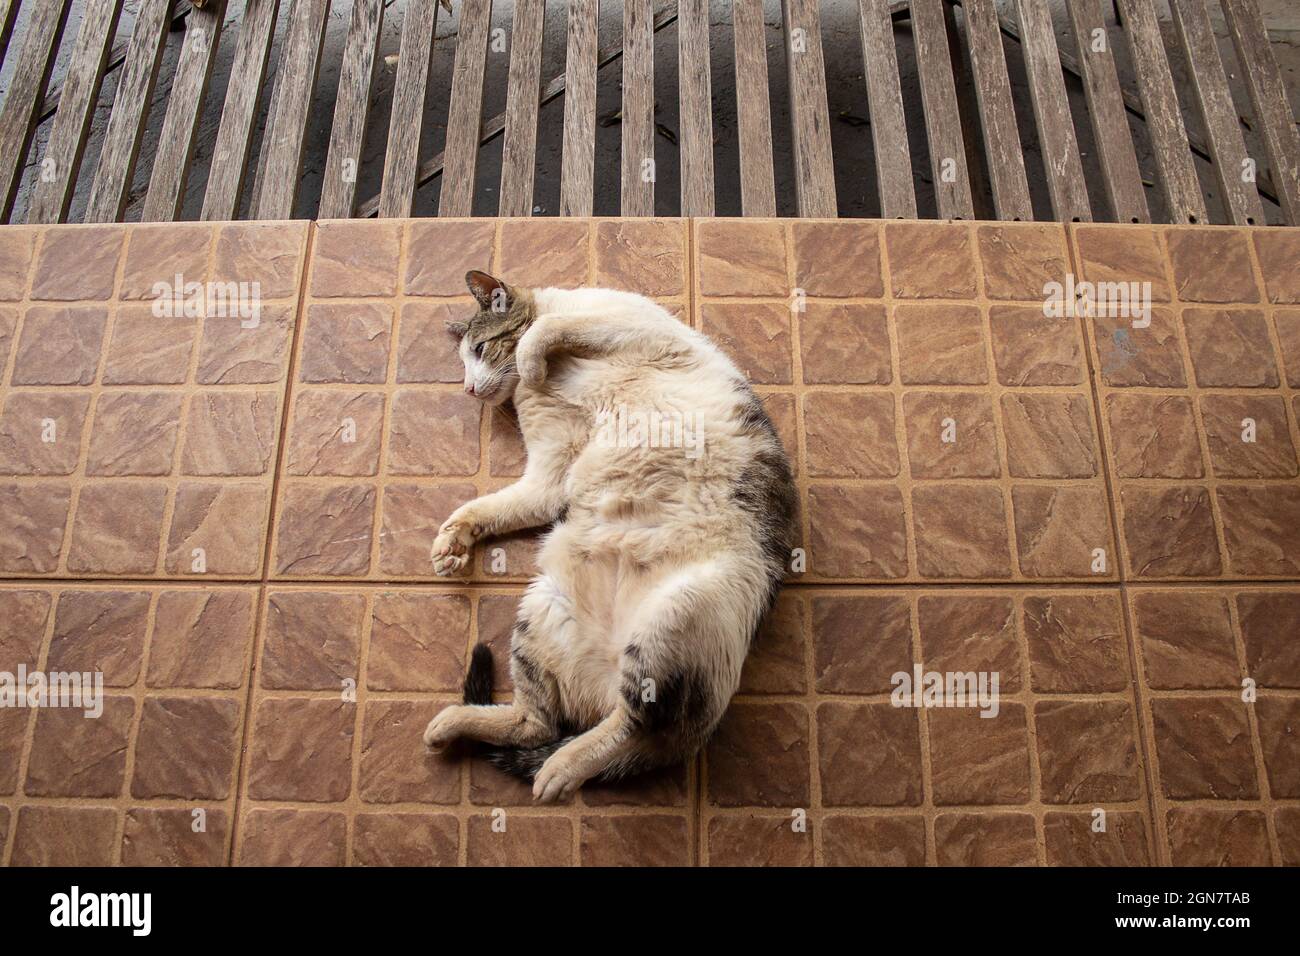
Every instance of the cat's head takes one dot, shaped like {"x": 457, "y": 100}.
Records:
{"x": 488, "y": 339}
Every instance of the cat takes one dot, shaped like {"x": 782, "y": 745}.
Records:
{"x": 663, "y": 558}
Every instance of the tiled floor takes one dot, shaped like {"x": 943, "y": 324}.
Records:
{"x": 230, "y": 520}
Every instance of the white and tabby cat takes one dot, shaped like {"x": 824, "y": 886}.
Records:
{"x": 662, "y": 560}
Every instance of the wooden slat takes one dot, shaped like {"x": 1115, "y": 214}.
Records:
{"x": 885, "y": 102}
{"x": 402, "y": 157}
{"x": 26, "y": 86}
{"x": 1119, "y": 168}
{"x": 1218, "y": 114}
{"x": 1164, "y": 120}
{"x": 351, "y": 107}
{"x": 465, "y": 112}
{"x": 753, "y": 110}
{"x": 230, "y": 154}
{"x": 1056, "y": 139}
{"x": 518, "y": 159}
{"x": 8, "y": 13}
{"x": 578, "y": 168}
{"x": 814, "y": 167}
{"x": 171, "y": 164}
{"x": 638, "y": 125}
{"x": 939, "y": 100}
{"x": 277, "y": 188}
{"x": 130, "y": 113}
{"x": 694, "y": 87}
{"x": 1268, "y": 99}
{"x": 1006, "y": 160}
{"x": 63, "y": 152}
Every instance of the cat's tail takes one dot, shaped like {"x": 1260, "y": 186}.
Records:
{"x": 521, "y": 762}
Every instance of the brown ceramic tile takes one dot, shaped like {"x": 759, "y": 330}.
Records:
{"x": 873, "y": 841}
{"x": 759, "y": 757}
{"x": 32, "y": 522}
{"x": 1287, "y": 822}
{"x": 544, "y": 252}
{"x": 850, "y": 436}
{"x": 1269, "y": 620}
{"x": 346, "y": 343}
{"x": 266, "y": 253}
{"x": 857, "y": 532}
{"x": 335, "y": 433}
{"x": 186, "y": 748}
{"x": 775, "y": 664}
{"x": 16, "y": 246}
{"x": 426, "y": 351}
{"x": 970, "y": 633}
{"x": 758, "y": 841}
{"x": 161, "y": 837}
{"x": 395, "y": 766}
{"x": 940, "y": 344}
{"x": 77, "y": 263}
{"x": 741, "y": 258}
{"x": 40, "y": 432}
{"x": 755, "y": 336}
{"x": 434, "y": 433}
{"x": 978, "y": 756}
{"x": 868, "y": 755}
{"x": 1248, "y": 436}
{"x": 1080, "y": 839}
{"x": 860, "y": 642}
{"x": 405, "y": 839}
{"x": 134, "y": 433}
{"x": 232, "y": 354}
{"x": 440, "y": 252}
{"x": 1288, "y": 337}
{"x": 1211, "y": 265}
{"x": 230, "y": 434}
{"x": 1186, "y": 639}
{"x": 292, "y": 838}
{"x": 844, "y": 344}
{"x": 1122, "y": 254}
{"x": 64, "y": 836}
{"x": 647, "y": 256}
{"x": 517, "y": 840}
{"x": 75, "y": 756}
{"x": 961, "y": 532}
{"x": 1153, "y": 436}
{"x": 157, "y": 253}
{"x": 1207, "y": 837}
{"x": 117, "y": 528}
{"x": 985, "y": 839}
{"x": 312, "y": 639}
{"x": 1147, "y": 356}
{"x": 100, "y": 631}
{"x": 641, "y": 840}
{"x": 1230, "y": 347}
{"x": 1086, "y": 751}
{"x": 836, "y": 259}
{"x": 1076, "y": 643}
{"x": 930, "y": 260}
{"x": 950, "y": 435}
{"x": 217, "y": 528}
{"x": 1279, "y": 736}
{"x": 1169, "y": 531}
{"x": 1049, "y": 436}
{"x": 1020, "y": 259}
{"x": 1032, "y": 349}
{"x": 1204, "y": 749}
{"x": 418, "y": 641}
{"x": 1261, "y": 528}
{"x": 1278, "y": 251}
{"x": 324, "y": 529}
{"x": 23, "y": 616}
{"x": 1063, "y": 532}
{"x": 146, "y": 349}
{"x": 59, "y": 345}
{"x": 355, "y": 258}
{"x": 412, "y": 515}
{"x": 201, "y": 638}
{"x": 301, "y": 749}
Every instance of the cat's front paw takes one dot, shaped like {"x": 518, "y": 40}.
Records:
{"x": 556, "y": 780}
{"x": 451, "y": 548}
{"x": 442, "y": 730}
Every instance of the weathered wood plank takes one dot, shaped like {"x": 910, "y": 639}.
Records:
{"x": 8, "y": 13}
{"x": 131, "y": 102}
{"x": 465, "y": 112}
{"x": 277, "y": 188}
{"x": 1006, "y": 160}
{"x": 814, "y": 167}
{"x": 402, "y": 157}
{"x": 695, "y": 97}
{"x": 1056, "y": 139}
{"x": 885, "y": 102}
{"x": 351, "y": 107}
{"x": 1119, "y": 169}
{"x": 1232, "y": 166}
{"x": 171, "y": 164}
{"x": 578, "y": 163}
{"x": 753, "y": 110}
{"x": 27, "y": 85}
{"x": 230, "y": 154}
{"x": 1268, "y": 99}
{"x": 518, "y": 152}
{"x": 939, "y": 100}
{"x": 1164, "y": 119}
{"x": 637, "y": 149}
{"x": 63, "y": 152}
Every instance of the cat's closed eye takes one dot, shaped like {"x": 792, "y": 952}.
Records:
{"x": 478, "y": 350}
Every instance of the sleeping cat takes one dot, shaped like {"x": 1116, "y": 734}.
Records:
{"x": 662, "y": 560}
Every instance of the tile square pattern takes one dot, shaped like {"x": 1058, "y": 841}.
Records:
{"x": 142, "y": 397}
{"x": 229, "y": 524}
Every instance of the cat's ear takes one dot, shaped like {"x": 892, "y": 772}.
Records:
{"x": 457, "y": 329}
{"x": 492, "y": 294}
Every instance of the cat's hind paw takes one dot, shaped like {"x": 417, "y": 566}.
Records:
{"x": 451, "y": 550}
{"x": 555, "y": 781}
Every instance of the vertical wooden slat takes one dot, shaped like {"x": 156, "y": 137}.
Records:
{"x": 230, "y": 154}
{"x": 1268, "y": 99}
{"x": 130, "y": 113}
{"x": 1164, "y": 120}
{"x": 465, "y": 112}
{"x": 1006, "y": 160}
{"x": 1218, "y": 114}
{"x": 402, "y": 157}
{"x": 171, "y": 164}
{"x": 638, "y": 126}
{"x": 26, "y": 87}
{"x": 939, "y": 100}
{"x": 885, "y": 102}
{"x": 8, "y": 13}
{"x": 695, "y": 86}
{"x": 351, "y": 107}
{"x": 753, "y": 110}
{"x": 814, "y": 166}
{"x": 63, "y": 152}
{"x": 1119, "y": 168}
{"x": 579, "y": 152}
{"x": 518, "y": 152}
{"x": 1056, "y": 139}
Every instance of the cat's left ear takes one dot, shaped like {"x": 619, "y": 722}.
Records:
{"x": 456, "y": 329}
{"x": 492, "y": 294}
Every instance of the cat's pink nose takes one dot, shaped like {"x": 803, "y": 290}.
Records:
{"x": 469, "y": 388}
